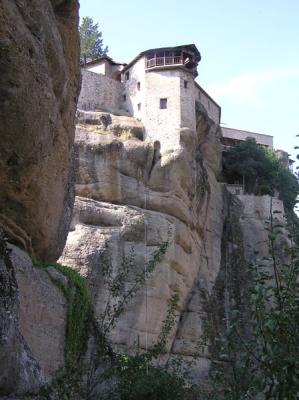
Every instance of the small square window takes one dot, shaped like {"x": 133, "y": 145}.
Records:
{"x": 124, "y": 97}
{"x": 185, "y": 84}
{"x": 127, "y": 76}
{"x": 163, "y": 104}
{"x": 138, "y": 85}
{"x": 139, "y": 106}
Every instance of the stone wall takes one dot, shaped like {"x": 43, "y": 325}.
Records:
{"x": 212, "y": 108}
{"x": 99, "y": 92}
{"x": 143, "y": 101}
{"x": 187, "y": 88}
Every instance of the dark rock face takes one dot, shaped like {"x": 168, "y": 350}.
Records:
{"x": 39, "y": 81}
{"x": 19, "y": 372}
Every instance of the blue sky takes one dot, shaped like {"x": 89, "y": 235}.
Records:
{"x": 249, "y": 48}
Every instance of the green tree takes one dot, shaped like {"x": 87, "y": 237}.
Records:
{"x": 91, "y": 41}
{"x": 261, "y": 172}
{"x": 249, "y": 161}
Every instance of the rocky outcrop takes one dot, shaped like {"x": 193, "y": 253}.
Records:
{"x": 33, "y": 314}
{"x": 19, "y": 371}
{"x": 245, "y": 241}
{"x": 39, "y": 79}
{"x": 131, "y": 198}
{"x": 42, "y": 312}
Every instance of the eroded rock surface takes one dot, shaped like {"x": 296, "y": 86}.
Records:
{"x": 131, "y": 197}
{"x": 33, "y": 314}
{"x": 19, "y": 371}
{"x": 39, "y": 80}
{"x": 42, "y": 313}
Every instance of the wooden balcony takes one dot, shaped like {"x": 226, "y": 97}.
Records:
{"x": 169, "y": 58}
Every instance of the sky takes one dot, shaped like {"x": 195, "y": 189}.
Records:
{"x": 249, "y": 49}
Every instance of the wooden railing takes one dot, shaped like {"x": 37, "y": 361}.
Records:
{"x": 161, "y": 61}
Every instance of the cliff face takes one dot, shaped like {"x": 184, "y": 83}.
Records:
{"x": 39, "y": 80}
{"x": 130, "y": 197}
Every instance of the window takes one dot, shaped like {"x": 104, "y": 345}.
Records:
{"x": 185, "y": 84}
{"x": 127, "y": 76}
{"x": 138, "y": 85}
{"x": 163, "y": 104}
{"x": 139, "y": 106}
{"x": 124, "y": 97}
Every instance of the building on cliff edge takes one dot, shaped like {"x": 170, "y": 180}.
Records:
{"x": 158, "y": 87}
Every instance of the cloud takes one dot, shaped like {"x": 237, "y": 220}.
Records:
{"x": 248, "y": 88}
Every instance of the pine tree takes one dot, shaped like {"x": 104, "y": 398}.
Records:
{"x": 91, "y": 41}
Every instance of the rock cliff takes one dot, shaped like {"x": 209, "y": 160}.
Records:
{"x": 131, "y": 197}
{"x": 39, "y": 80}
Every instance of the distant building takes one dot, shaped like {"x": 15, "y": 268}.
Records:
{"x": 232, "y": 137}
{"x": 284, "y": 158}
{"x": 105, "y": 66}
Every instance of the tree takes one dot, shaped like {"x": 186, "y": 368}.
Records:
{"x": 262, "y": 172}
{"x": 91, "y": 41}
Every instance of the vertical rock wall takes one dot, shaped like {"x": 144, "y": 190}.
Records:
{"x": 39, "y": 81}
{"x": 131, "y": 197}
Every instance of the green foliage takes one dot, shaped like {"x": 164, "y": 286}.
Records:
{"x": 91, "y": 41}
{"x": 67, "y": 381}
{"x": 135, "y": 376}
{"x": 79, "y": 315}
{"x": 119, "y": 293}
{"x": 287, "y": 185}
{"x": 79, "y": 311}
{"x": 140, "y": 376}
{"x": 139, "y": 379}
{"x": 264, "y": 364}
{"x": 261, "y": 170}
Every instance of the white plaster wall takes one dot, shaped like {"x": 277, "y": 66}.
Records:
{"x": 163, "y": 124}
{"x": 238, "y": 134}
{"x": 100, "y": 92}
{"x": 160, "y": 124}
{"x": 98, "y": 69}
{"x": 133, "y": 95}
